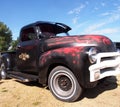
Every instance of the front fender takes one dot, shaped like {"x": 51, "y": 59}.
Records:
{"x": 71, "y": 57}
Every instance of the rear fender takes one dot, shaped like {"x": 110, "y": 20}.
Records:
{"x": 9, "y": 60}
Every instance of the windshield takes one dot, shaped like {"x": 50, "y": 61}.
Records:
{"x": 53, "y": 29}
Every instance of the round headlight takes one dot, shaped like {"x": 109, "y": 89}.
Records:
{"x": 92, "y": 52}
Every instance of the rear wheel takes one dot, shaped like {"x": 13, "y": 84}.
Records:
{"x": 3, "y": 73}
{"x": 64, "y": 85}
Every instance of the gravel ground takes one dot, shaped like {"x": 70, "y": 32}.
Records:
{"x": 16, "y": 94}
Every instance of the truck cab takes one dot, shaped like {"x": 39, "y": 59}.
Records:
{"x": 31, "y": 41}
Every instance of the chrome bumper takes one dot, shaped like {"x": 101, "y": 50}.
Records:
{"x": 107, "y": 64}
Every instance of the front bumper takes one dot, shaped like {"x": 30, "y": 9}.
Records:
{"x": 107, "y": 64}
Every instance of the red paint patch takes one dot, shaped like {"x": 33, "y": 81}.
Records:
{"x": 74, "y": 62}
{"x": 106, "y": 41}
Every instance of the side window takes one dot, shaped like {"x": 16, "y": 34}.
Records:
{"x": 28, "y": 34}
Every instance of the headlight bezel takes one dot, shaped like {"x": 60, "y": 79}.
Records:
{"x": 92, "y": 52}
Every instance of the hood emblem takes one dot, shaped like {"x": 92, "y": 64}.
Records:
{"x": 24, "y": 56}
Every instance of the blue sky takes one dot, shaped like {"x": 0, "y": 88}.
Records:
{"x": 83, "y": 16}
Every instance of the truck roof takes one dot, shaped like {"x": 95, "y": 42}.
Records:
{"x": 58, "y": 25}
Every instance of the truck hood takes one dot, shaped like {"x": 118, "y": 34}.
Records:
{"x": 79, "y": 40}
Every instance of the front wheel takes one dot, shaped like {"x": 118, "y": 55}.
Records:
{"x": 64, "y": 85}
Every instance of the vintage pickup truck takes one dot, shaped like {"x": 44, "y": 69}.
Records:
{"x": 67, "y": 64}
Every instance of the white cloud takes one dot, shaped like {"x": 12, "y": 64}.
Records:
{"x": 86, "y": 2}
{"x": 114, "y": 18}
{"x": 75, "y": 20}
{"x": 115, "y": 4}
{"x": 118, "y": 8}
{"x": 105, "y": 14}
{"x": 96, "y": 8}
{"x": 93, "y": 27}
{"x": 77, "y": 10}
{"x": 114, "y": 15}
{"x": 106, "y": 31}
{"x": 103, "y": 4}
{"x": 101, "y": 26}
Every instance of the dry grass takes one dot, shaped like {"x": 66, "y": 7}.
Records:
{"x": 16, "y": 94}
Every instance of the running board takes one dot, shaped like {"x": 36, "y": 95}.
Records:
{"x": 22, "y": 77}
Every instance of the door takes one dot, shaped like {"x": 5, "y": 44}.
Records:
{"x": 27, "y": 50}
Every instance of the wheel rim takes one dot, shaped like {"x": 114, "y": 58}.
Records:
{"x": 63, "y": 84}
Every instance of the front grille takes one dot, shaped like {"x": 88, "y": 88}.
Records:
{"x": 107, "y": 69}
{"x": 107, "y": 58}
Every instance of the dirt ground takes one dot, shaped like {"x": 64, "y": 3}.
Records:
{"x": 16, "y": 94}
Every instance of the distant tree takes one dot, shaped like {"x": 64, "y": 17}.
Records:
{"x": 5, "y": 37}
